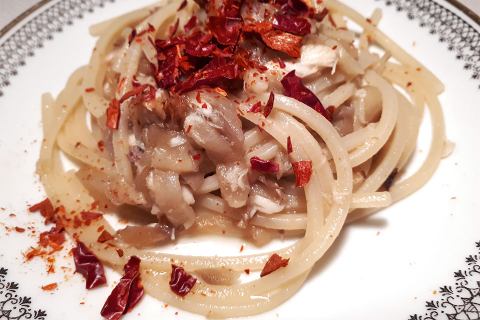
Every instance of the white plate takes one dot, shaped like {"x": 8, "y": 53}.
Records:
{"x": 391, "y": 266}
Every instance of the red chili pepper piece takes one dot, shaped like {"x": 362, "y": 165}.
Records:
{"x": 274, "y": 263}
{"x": 390, "y": 179}
{"x": 275, "y": 39}
{"x": 113, "y": 114}
{"x": 213, "y": 74}
{"x": 169, "y": 67}
{"x": 104, "y": 237}
{"x": 230, "y": 8}
{"x": 225, "y": 30}
{"x": 145, "y": 90}
{"x": 182, "y": 5}
{"x": 284, "y": 42}
{"x": 53, "y": 238}
{"x": 256, "y": 108}
{"x": 264, "y": 166}
{"x": 269, "y": 106}
{"x": 88, "y": 265}
{"x": 294, "y": 88}
{"x": 192, "y": 23}
{"x": 126, "y": 294}
{"x": 303, "y": 172}
{"x": 180, "y": 281}
{"x": 199, "y": 45}
{"x": 88, "y": 216}
{"x": 289, "y": 145}
{"x": 296, "y": 25}
{"x": 46, "y": 210}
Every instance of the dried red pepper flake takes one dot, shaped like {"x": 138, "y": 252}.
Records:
{"x": 88, "y": 265}
{"x": 150, "y": 28}
{"x": 145, "y": 90}
{"x": 226, "y": 30}
{"x": 168, "y": 43}
{"x": 390, "y": 179}
{"x": 51, "y": 265}
{"x": 77, "y": 223}
{"x": 294, "y": 6}
{"x": 127, "y": 293}
{"x": 34, "y": 252}
{"x": 220, "y": 91}
{"x": 276, "y": 39}
{"x": 269, "y": 106}
{"x": 88, "y": 216}
{"x": 230, "y": 8}
{"x": 180, "y": 281}
{"x": 104, "y": 237}
{"x": 190, "y": 24}
{"x": 120, "y": 252}
{"x": 50, "y": 287}
{"x": 303, "y": 172}
{"x": 331, "y": 111}
{"x": 101, "y": 145}
{"x": 258, "y": 27}
{"x": 256, "y": 108}
{"x": 168, "y": 67}
{"x": 20, "y": 230}
{"x": 113, "y": 114}
{"x": 227, "y": 52}
{"x": 274, "y": 263}
{"x": 197, "y": 157}
{"x": 53, "y": 238}
{"x": 243, "y": 58}
{"x": 294, "y": 88}
{"x": 199, "y": 45}
{"x": 132, "y": 36}
{"x": 46, "y": 210}
{"x": 283, "y": 41}
{"x": 198, "y": 97}
{"x": 182, "y": 5}
{"x": 185, "y": 64}
{"x": 319, "y": 16}
{"x": 215, "y": 73}
{"x": 174, "y": 28}
{"x": 289, "y": 145}
{"x": 264, "y": 166}
{"x": 88, "y": 90}
{"x": 296, "y": 25}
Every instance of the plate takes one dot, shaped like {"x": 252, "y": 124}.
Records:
{"x": 418, "y": 260}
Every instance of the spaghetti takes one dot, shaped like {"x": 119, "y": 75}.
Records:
{"x": 237, "y": 117}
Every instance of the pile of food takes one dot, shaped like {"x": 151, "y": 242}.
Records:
{"x": 238, "y": 118}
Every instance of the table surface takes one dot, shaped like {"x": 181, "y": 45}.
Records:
{"x": 9, "y": 9}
